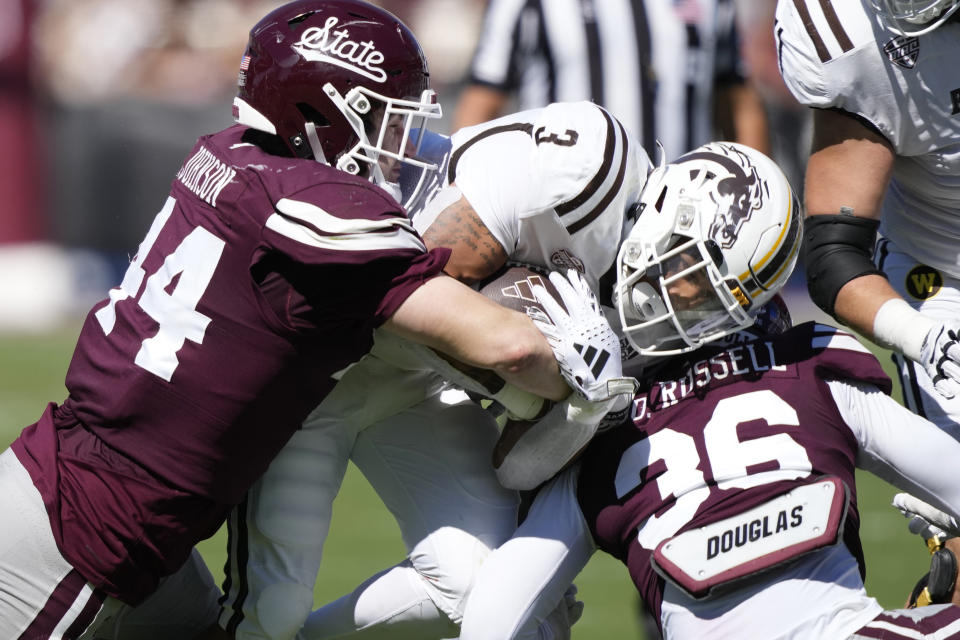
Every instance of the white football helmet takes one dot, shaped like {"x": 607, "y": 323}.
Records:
{"x": 916, "y": 17}
{"x": 718, "y": 235}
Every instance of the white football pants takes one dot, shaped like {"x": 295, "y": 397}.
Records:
{"x": 430, "y": 463}
{"x": 523, "y": 580}
{"x": 33, "y": 569}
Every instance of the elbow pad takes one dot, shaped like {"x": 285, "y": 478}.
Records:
{"x": 836, "y": 249}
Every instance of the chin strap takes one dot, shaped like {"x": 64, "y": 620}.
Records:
{"x": 315, "y": 146}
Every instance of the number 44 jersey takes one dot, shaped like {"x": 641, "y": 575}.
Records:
{"x": 261, "y": 277}
{"x": 711, "y": 449}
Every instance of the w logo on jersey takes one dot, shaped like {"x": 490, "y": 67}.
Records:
{"x": 923, "y": 282}
{"x": 903, "y": 51}
{"x": 595, "y": 358}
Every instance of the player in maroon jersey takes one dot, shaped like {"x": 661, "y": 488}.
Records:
{"x": 277, "y": 253}
{"x": 729, "y": 493}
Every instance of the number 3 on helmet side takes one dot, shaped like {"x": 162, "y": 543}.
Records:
{"x": 194, "y": 260}
{"x": 728, "y": 456}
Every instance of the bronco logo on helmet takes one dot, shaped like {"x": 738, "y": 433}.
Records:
{"x": 738, "y": 194}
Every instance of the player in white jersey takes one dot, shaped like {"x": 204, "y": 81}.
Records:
{"x": 552, "y": 187}
{"x": 729, "y": 493}
{"x": 881, "y": 77}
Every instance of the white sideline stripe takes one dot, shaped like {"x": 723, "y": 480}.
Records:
{"x": 329, "y": 223}
{"x": 350, "y": 242}
{"x": 839, "y": 341}
{"x": 73, "y": 612}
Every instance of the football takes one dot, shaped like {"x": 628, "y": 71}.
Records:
{"x": 512, "y": 286}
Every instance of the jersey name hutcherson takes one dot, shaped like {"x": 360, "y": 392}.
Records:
{"x": 261, "y": 278}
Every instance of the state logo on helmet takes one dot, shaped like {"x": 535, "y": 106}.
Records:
{"x": 718, "y": 235}
{"x": 916, "y": 17}
{"x": 340, "y": 81}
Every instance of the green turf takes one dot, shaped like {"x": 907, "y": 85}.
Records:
{"x": 364, "y": 538}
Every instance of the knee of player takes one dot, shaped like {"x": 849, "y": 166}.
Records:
{"x": 282, "y": 608}
{"x": 450, "y": 567}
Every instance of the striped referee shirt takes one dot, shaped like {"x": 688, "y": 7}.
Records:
{"x": 652, "y": 63}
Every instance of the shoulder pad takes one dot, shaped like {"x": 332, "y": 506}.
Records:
{"x": 837, "y": 353}
{"x": 813, "y": 35}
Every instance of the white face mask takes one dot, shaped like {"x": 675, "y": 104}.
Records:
{"x": 916, "y": 17}
{"x": 394, "y": 140}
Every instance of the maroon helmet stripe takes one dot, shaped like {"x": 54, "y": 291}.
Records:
{"x": 58, "y": 607}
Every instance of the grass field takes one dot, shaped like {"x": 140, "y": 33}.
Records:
{"x": 364, "y": 538}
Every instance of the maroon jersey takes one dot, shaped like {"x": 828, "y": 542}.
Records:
{"x": 261, "y": 277}
{"x": 722, "y": 432}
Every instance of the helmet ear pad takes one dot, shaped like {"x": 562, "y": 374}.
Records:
{"x": 646, "y": 301}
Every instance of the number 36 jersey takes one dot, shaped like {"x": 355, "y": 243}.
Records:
{"x": 724, "y": 432}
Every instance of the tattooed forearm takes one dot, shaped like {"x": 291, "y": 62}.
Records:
{"x": 476, "y": 253}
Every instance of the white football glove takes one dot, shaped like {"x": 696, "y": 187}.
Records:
{"x": 926, "y": 520}
{"x": 940, "y": 357}
{"x": 930, "y": 342}
{"x": 556, "y": 626}
{"x": 586, "y": 347}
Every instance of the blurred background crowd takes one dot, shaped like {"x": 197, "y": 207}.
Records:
{"x": 101, "y": 99}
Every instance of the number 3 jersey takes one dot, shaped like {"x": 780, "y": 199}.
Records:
{"x": 554, "y": 185}
{"x": 722, "y": 433}
{"x": 260, "y": 278}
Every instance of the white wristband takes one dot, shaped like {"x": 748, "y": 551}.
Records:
{"x": 900, "y": 327}
{"x": 521, "y": 404}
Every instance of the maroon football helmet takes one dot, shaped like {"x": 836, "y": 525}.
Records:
{"x": 341, "y": 81}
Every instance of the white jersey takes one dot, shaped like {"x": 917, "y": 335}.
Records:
{"x": 843, "y": 55}
{"x": 553, "y": 185}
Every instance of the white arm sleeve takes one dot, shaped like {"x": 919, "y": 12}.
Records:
{"x": 548, "y": 445}
{"x": 900, "y": 447}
